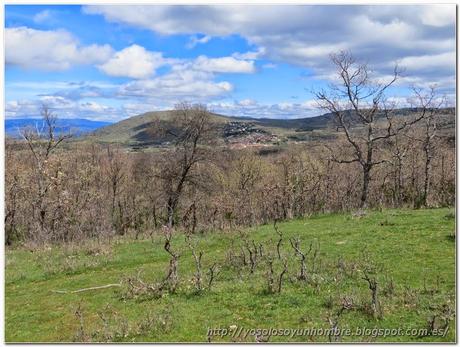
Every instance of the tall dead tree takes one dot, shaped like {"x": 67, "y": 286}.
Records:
{"x": 357, "y": 102}
{"x": 190, "y": 129}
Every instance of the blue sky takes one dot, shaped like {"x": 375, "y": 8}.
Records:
{"x": 110, "y": 62}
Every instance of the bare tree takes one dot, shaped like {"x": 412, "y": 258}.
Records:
{"x": 399, "y": 149}
{"x": 295, "y": 244}
{"x": 13, "y": 191}
{"x": 429, "y": 104}
{"x": 42, "y": 141}
{"x": 115, "y": 178}
{"x": 190, "y": 128}
{"x": 358, "y": 101}
{"x": 197, "y": 255}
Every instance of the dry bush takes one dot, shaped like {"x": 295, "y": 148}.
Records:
{"x": 112, "y": 326}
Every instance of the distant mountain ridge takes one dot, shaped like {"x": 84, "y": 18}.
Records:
{"x": 135, "y": 132}
{"x": 78, "y": 126}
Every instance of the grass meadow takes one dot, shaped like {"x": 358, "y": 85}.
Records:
{"x": 409, "y": 253}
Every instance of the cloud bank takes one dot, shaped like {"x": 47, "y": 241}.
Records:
{"x": 420, "y": 38}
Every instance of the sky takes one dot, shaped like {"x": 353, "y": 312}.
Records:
{"x": 111, "y": 62}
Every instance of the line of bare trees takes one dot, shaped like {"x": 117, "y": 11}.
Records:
{"x": 358, "y": 100}
{"x": 59, "y": 192}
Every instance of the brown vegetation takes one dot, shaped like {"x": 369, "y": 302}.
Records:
{"x": 58, "y": 194}
{"x": 100, "y": 191}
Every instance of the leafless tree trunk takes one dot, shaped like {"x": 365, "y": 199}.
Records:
{"x": 172, "y": 278}
{"x": 197, "y": 257}
{"x": 359, "y": 100}
{"x": 397, "y": 158}
{"x": 115, "y": 176}
{"x": 295, "y": 244}
{"x": 373, "y": 287}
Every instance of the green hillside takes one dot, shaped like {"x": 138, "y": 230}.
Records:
{"x": 411, "y": 255}
{"x": 134, "y": 131}
{"x": 130, "y": 131}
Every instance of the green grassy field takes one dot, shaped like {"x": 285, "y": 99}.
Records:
{"x": 411, "y": 255}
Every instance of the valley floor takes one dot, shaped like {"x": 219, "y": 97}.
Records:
{"x": 410, "y": 254}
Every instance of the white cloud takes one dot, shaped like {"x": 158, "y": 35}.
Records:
{"x": 253, "y": 55}
{"x": 191, "y": 80}
{"x": 99, "y": 111}
{"x": 443, "y": 85}
{"x": 210, "y": 20}
{"x": 438, "y": 15}
{"x": 223, "y": 65}
{"x": 49, "y": 50}
{"x": 42, "y": 16}
{"x": 438, "y": 61}
{"x": 134, "y": 109}
{"x": 247, "y": 102}
{"x": 178, "y": 85}
{"x": 56, "y": 102}
{"x": 420, "y": 37}
{"x": 305, "y": 35}
{"x": 156, "y": 18}
{"x": 373, "y": 30}
{"x": 21, "y": 108}
{"x": 134, "y": 62}
{"x": 251, "y": 108}
{"x": 63, "y": 108}
{"x": 195, "y": 40}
